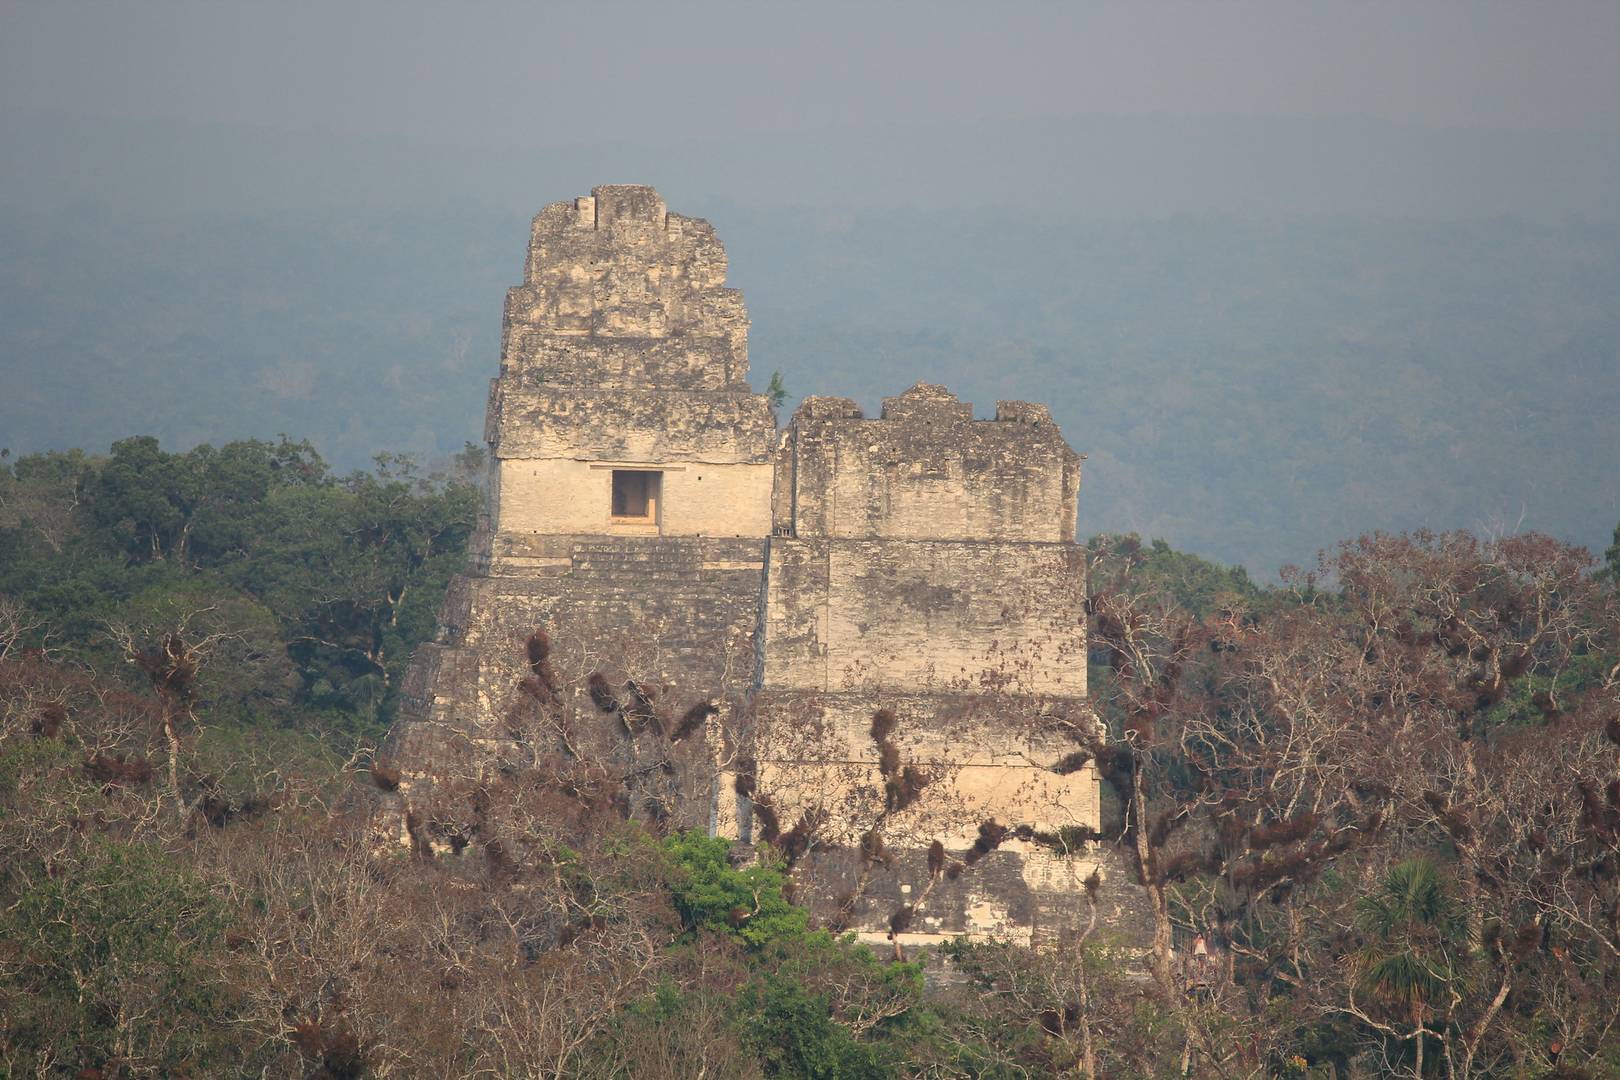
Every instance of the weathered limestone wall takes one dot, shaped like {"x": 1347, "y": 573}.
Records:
{"x": 677, "y": 615}
{"x": 562, "y": 495}
{"x": 629, "y": 425}
{"x": 939, "y": 616}
{"x": 927, "y": 471}
{"x": 617, "y": 265}
{"x": 622, "y": 348}
{"x": 987, "y": 758}
{"x": 924, "y": 563}
{"x": 623, "y": 345}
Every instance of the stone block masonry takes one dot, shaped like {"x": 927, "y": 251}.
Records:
{"x": 630, "y": 492}
{"x": 922, "y": 566}
{"x": 645, "y": 511}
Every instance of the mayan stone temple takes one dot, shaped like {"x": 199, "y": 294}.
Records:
{"x": 858, "y": 640}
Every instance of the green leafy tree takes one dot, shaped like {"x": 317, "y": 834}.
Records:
{"x": 108, "y": 958}
{"x": 247, "y": 677}
{"x": 809, "y": 1004}
{"x": 41, "y": 495}
{"x": 712, "y": 895}
{"x": 1196, "y": 584}
{"x": 206, "y": 505}
{"x": 792, "y": 1032}
{"x": 349, "y": 570}
{"x": 355, "y": 571}
{"x": 1410, "y": 959}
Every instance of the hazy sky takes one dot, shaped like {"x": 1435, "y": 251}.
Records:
{"x": 477, "y": 72}
{"x": 173, "y": 175}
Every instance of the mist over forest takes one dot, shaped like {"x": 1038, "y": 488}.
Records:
{"x": 1265, "y": 335}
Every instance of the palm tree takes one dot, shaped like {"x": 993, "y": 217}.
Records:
{"x": 1409, "y": 960}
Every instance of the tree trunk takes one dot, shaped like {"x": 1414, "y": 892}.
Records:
{"x": 1468, "y": 883}
{"x": 172, "y": 734}
{"x": 1088, "y": 1050}
{"x": 1163, "y": 934}
{"x": 1478, "y": 1033}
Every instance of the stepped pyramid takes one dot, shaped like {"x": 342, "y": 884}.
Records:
{"x": 868, "y": 604}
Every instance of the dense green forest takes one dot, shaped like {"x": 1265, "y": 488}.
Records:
{"x": 316, "y": 585}
{"x": 1386, "y": 790}
{"x": 1249, "y": 389}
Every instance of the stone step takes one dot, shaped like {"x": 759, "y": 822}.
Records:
{"x": 639, "y": 543}
{"x": 632, "y": 569}
{"x": 616, "y": 561}
{"x": 637, "y": 556}
{"x": 630, "y": 579}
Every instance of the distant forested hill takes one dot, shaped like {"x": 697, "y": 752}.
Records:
{"x": 1248, "y": 390}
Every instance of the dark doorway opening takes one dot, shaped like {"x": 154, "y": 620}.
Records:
{"x": 635, "y": 495}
